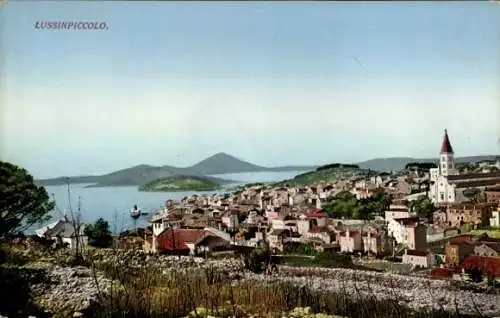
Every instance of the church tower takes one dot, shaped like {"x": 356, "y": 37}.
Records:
{"x": 446, "y": 161}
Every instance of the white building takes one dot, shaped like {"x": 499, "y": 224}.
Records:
{"x": 447, "y": 185}
{"x": 495, "y": 218}
{"x": 65, "y": 231}
{"x": 441, "y": 191}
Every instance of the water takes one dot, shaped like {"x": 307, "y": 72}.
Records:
{"x": 114, "y": 203}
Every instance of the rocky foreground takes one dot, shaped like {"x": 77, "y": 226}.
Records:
{"x": 72, "y": 290}
{"x": 414, "y": 292}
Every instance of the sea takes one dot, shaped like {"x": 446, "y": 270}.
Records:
{"x": 114, "y": 204}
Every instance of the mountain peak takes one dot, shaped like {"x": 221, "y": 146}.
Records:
{"x": 222, "y": 162}
{"x": 221, "y": 155}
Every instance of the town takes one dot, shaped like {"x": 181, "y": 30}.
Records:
{"x": 426, "y": 219}
{"x": 427, "y": 236}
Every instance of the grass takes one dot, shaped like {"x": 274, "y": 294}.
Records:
{"x": 178, "y": 294}
{"x": 495, "y": 233}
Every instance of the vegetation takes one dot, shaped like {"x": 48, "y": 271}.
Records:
{"x": 345, "y": 204}
{"x": 182, "y": 183}
{"x": 495, "y": 233}
{"x": 22, "y": 203}
{"x": 99, "y": 234}
{"x": 420, "y": 165}
{"x": 150, "y": 291}
{"x": 324, "y": 173}
{"x": 475, "y": 194}
{"x": 337, "y": 165}
{"x": 422, "y": 206}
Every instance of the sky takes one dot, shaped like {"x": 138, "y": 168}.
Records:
{"x": 272, "y": 83}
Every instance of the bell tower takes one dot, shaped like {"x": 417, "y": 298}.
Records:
{"x": 446, "y": 159}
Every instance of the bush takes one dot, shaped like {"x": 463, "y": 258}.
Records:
{"x": 99, "y": 234}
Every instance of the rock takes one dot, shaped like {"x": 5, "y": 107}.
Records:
{"x": 77, "y": 314}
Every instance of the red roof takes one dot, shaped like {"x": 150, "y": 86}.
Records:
{"x": 417, "y": 253}
{"x": 470, "y": 238}
{"x": 446, "y": 145}
{"x": 460, "y": 239}
{"x": 316, "y": 214}
{"x": 489, "y": 265}
{"x": 441, "y": 272}
{"x": 176, "y": 239}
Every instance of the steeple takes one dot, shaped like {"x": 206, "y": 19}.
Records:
{"x": 446, "y": 145}
{"x": 446, "y": 162}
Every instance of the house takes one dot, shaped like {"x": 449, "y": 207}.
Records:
{"x": 469, "y": 213}
{"x": 416, "y": 236}
{"x": 408, "y": 231}
{"x": 397, "y": 211}
{"x": 208, "y": 243}
{"x": 320, "y": 233}
{"x": 64, "y": 232}
{"x": 41, "y": 231}
{"x": 350, "y": 241}
{"x": 487, "y": 249}
{"x": 276, "y": 237}
{"x": 495, "y": 218}
{"x": 178, "y": 241}
{"x": 417, "y": 258}
{"x": 230, "y": 219}
{"x": 462, "y": 246}
{"x": 492, "y": 194}
{"x": 458, "y": 249}
{"x": 316, "y": 217}
{"x": 487, "y": 265}
{"x": 305, "y": 224}
{"x": 372, "y": 243}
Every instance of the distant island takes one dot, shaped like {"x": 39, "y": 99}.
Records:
{"x": 184, "y": 183}
{"x": 220, "y": 163}
{"x": 223, "y": 163}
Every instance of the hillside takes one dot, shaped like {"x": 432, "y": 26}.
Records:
{"x": 399, "y": 163}
{"x": 183, "y": 183}
{"x": 220, "y": 163}
{"x": 323, "y": 173}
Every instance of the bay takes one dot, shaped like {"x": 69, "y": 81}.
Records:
{"x": 114, "y": 203}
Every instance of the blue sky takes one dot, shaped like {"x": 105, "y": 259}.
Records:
{"x": 271, "y": 83}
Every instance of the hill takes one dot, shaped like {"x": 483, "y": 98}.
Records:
{"x": 219, "y": 163}
{"x": 184, "y": 183}
{"x": 399, "y": 163}
{"x": 223, "y": 163}
{"x": 323, "y": 173}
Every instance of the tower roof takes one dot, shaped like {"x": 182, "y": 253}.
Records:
{"x": 446, "y": 145}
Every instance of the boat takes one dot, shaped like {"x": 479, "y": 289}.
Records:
{"x": 136, "y": 212}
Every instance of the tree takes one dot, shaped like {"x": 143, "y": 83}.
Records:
{"x": 422, "y": 206}
{"x": 474, "y": 194}
{"x": 22, "y": 202}
{"x": 98, "y": 233}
